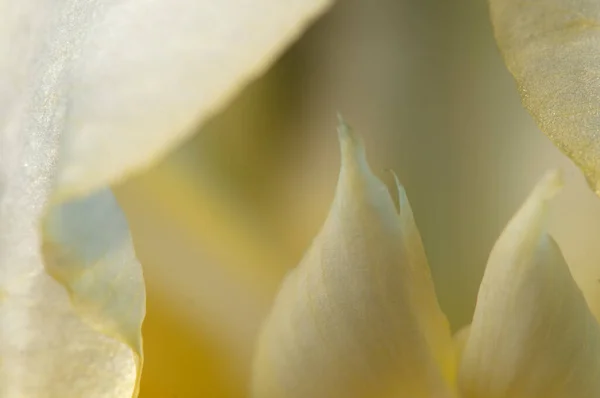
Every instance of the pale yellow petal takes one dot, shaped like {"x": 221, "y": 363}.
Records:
{"x": 460, "y": 341}
{"x": 183, "y": 359}
{"x": 552, "y": 49}
{"x": 87, "y": 248}
{"x": 46, "y": 348}
{"x": 532, "y": 335}
{"x": 358, "y": 317}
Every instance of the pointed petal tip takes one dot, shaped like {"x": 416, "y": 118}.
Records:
{"x": 402, "y": 197}
{"x": 550, "y": 185}
{"x": 388, "y": 322}
{"x": 351, "y": 143}
{"x": 343, "y": 129}
{"x": 527, "y": 226}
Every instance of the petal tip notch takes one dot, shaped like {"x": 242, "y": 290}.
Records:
{"x": 403, "y": 204}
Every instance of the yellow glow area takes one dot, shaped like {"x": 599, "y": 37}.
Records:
{"x": 181, "y": 361}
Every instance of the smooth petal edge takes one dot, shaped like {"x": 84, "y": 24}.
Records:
{"x": 531, "y": 318}
{"x": 548, "y": 49}
{"x": 71, "y": 183}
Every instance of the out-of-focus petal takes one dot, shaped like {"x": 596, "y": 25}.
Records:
{"x": 214, "y": 300}
{"x": 552, "y": 49}
{"x": 460, "y": 341}
{"x": 183, "y": 359}
{"x": 358, "y": 317}
{"x": 532, "y": 334}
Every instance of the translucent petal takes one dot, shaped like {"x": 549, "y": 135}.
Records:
{"x": 358, "y": 317}
{"x": 532, "y": 335}
{"x": 89, "y": 92}
{"x": 460, "y": 340}
{"x": 551, "y": 48}
{"x": 87, "y": 241}
{"x": 57, "y": 343}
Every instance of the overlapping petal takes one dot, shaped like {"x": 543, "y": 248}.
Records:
{"x": 358, "y": 317}
{"x": 90, "y": 92}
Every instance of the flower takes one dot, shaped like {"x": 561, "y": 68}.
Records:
{"x": 359, "y": 318}
{"x": 93, "y": 92}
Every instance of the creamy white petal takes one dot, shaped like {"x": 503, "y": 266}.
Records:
{"x": 82, "y": 342}
{"x": 125, "y": 81}
{"x": 552, "y": 48}
{"x": 91, "y": 91}
{"x": 358, "y": 317}
{"x": 532, "y": 335}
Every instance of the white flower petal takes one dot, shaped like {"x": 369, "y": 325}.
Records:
{"x": 125, "y": 81}
{"x": 358, "y": 317}
{"x": 532, "y": 335}
{"x": 54, "y": 344}
{"x": 91, "y": 91}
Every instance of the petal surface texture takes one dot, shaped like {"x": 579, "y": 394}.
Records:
{"x": 90, "y": 92}
{"x": 129, "y": 80}
{"x": 552, "y": 48}
{"x": 532, "y": 335}
{"x": 358, "y": 317}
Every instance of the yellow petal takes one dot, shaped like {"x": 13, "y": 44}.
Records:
{"x": 460, "y": 341}
{"x": 532, "y": 335}
{"x": 184, "y": 359}
{"x": 358, "y": 317}
{"x": 194, "y": 291}
{"x": 551, "y": 47}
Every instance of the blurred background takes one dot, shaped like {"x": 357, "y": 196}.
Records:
{"x": 217, "y": 224}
